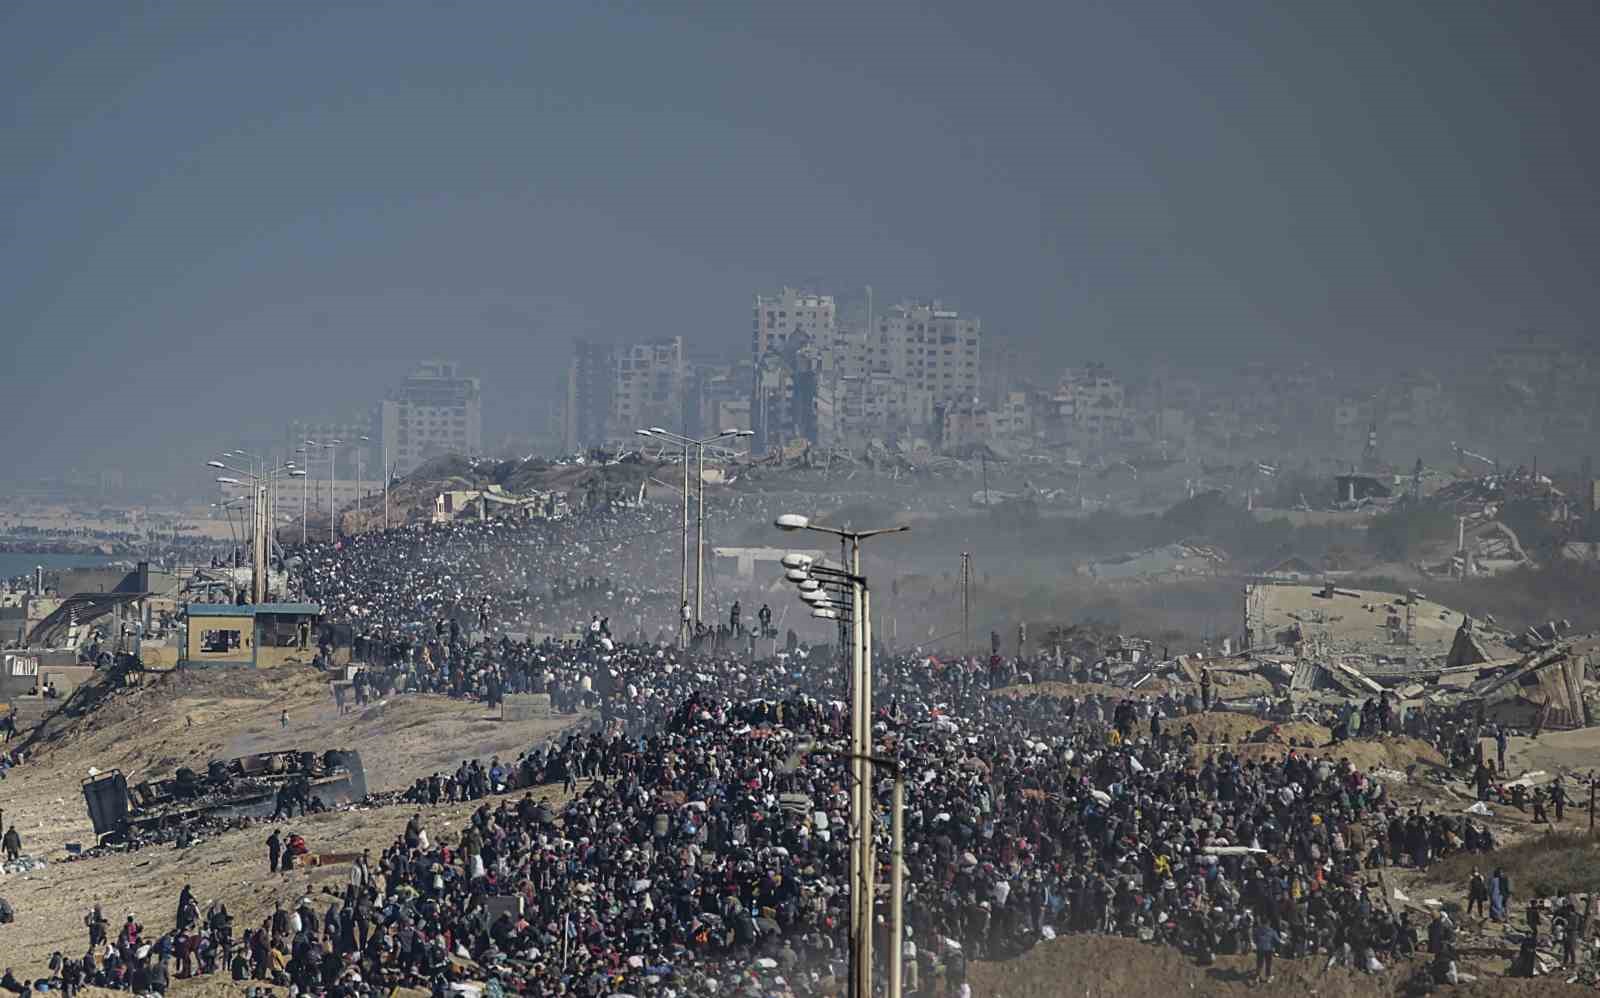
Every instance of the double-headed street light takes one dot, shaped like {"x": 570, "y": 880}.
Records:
{"x": 259, "y": 482}
{"x": 665, "y": 435}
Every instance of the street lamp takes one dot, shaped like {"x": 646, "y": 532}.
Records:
{"x": 361, "y": 485}
{"x": 332, "y": 447}
{"x": 261, "y": 515}
{"x": 700, "y": 504}
{"x": 897, "y": 850}
{"x": 333, "y": 486}
{"x": 300, "y": 473}
{"x": 862, "y": 863}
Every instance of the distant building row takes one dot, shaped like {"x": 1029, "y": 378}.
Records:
{"x": 808, "y": 377}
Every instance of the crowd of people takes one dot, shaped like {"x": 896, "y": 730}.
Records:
{"x": 696, "y": 855}
{"x": 682, "y": 843}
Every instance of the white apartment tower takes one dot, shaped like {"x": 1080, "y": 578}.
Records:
{"x": 434, "y": 411}
{"x": 648, "y": 389}
{"x": 782, "y": 318}
{"x": 932, "y": 348}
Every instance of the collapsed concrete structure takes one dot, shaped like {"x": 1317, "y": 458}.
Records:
{"x": 1315, "y": 648}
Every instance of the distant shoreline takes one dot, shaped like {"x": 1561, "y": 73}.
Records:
{"x": 15, "y": 564}
{"x": 82, "y": 549}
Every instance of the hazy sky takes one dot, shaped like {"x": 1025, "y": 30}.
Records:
{"x": 217, "y": 216}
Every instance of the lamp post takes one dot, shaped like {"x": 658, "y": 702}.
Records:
{"x": 897, "y": 850}
{"x": 333, "y": 487}
{"x": 300, "y": 473}
{"x": 361, "y": 484}
{"x": 700, "y": 505}
{"x": 386, "y": 482}
{"x": 305, "y": 488}
{"x": 259, "y": 482}
{"x": 800, "y": 569}
{"x": 332, "y": 447}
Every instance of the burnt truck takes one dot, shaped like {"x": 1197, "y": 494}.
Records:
{"x": 225, "y": 792}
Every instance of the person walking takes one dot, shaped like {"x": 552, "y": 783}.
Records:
{"x": 1477, "y": 893}
{"x": 1266, "y": 939}
{"x": 1499, "y": 895}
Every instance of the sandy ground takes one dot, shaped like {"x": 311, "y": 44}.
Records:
{"x": 1566, "y": 752}
{"x": 1098, "y": 967}
{"x": 149, "y": 731}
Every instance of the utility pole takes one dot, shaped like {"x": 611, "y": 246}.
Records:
{"x": 333, "y": 481}
{"x": 897, "y": 888}
{"x": 700, "y": 539}
{"x": 869, "y": 861}
{"x": 361, "y": 481}
{"x": 683, "y": 580}
{"x": 258, "y": 556}
{"x": 966, "y": 603}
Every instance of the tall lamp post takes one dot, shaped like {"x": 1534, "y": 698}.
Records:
{"x": 656, "y": 432}
{"x": 386, "y": 483}
{"x": 897, "y": 862}
{"x": 259, "y": 483}
{"x": 305, "y": 488}
{"x": 333, "y": 488}
{"x": 801, "y": 569}
{"x": 332, "y": 447}
{"x": 361, "y": 483}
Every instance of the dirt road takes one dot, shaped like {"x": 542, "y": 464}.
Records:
{"x": 185, "y": 720}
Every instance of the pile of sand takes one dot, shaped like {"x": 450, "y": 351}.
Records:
{"x": 147, "y": 732}
{"x": 1104, "y": 967}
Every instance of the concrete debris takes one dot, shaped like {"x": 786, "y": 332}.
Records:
{"x": 23, "y": 864}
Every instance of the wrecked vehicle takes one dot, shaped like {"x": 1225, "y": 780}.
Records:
{"x": 251, "y": 786}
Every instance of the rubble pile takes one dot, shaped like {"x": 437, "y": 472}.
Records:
{"x": 23, "y": 864}
{"x": 1531, "y": 681}
{"x": 1488, "y": 493}
{"x": 181, "y": 834}
{"x": 1485, "y": 543}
